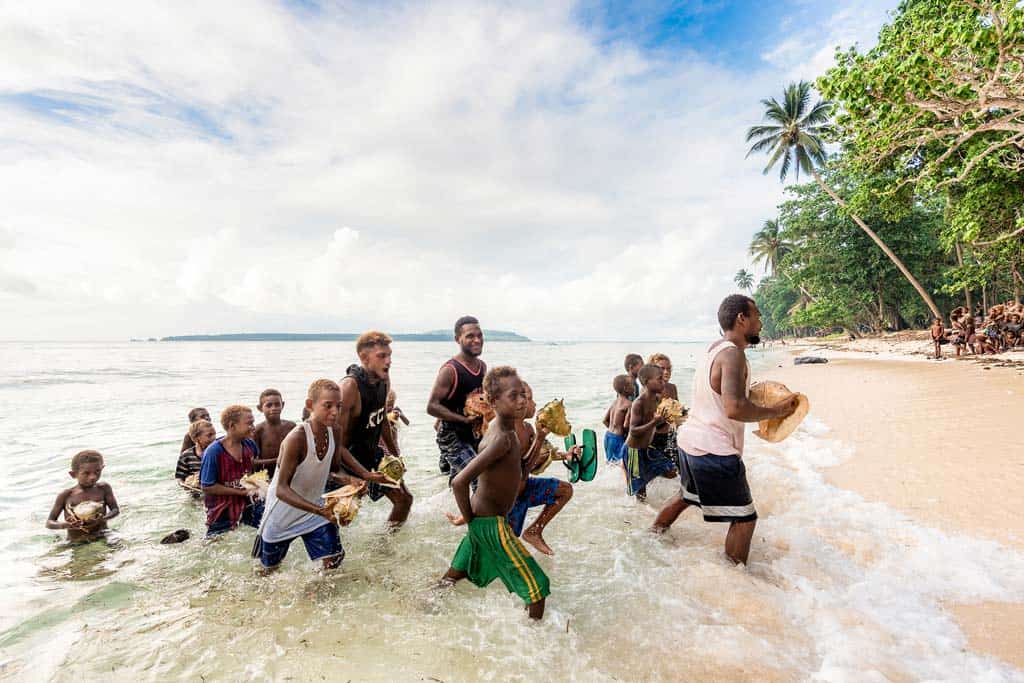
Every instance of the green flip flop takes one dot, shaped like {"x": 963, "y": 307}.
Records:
{"x": 588, "y": 460}
{"x": 572, "y": 465}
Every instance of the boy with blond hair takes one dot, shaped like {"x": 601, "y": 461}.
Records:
{"x": 86, "y": 468}
{"x": 271, "y": 432}
{"x": 225, "y": 462}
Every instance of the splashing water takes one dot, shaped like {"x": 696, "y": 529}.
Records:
{"x": 837, "y": 588}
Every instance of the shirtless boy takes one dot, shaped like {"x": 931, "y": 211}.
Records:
{"x": 310, "y": 455}
{"x": 363, "y": 420}
{"x": 550, "y": 492}
{"x": 193, "y": 415}
{"x": 271, "y": 432}
{"x": 490, "y": 550}
{"x": 86, "y": 468}
{"x": 644, "y": 460}
{"x": 616, "y": 419}
{"x": 459, "y": 377}
{"x": 632, "y": 364}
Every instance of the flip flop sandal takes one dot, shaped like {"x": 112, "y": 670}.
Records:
{"x": 570, "y": 464}
{"x": 588, "y": 459}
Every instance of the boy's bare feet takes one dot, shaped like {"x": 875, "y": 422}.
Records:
{"x": 533, "y": 537}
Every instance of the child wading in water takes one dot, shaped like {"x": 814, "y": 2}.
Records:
{"x": 271, "y": 432}
{"x": 86, "y": 468}
{"x": 490, "y": 549}
{"x": 616, "y": 419}
{"x": 225, "y": 462}
{"x": 550, "y": 492}
{"x": 190, "y": 461}
{"x": 645, "y": 458}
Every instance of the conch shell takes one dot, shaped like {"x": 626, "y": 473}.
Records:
{"x": 770, "y": 393}
{"x": 192, "y": 482}
{"x": 86, "y": 510}
{"x": 548, "y": 452}
{"x": 257, "y": 482}
{"x": 392, "y": 467}
{"x": 672, "y": 410}
{"x": 344, "y": 503}
{"x": 552, "y": 417}
{"x": 478, "y": 406}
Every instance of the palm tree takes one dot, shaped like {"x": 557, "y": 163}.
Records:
{"x": 794, "y": 138}
{"x": 744, "y": 279}
{"x": 768, "y": 246}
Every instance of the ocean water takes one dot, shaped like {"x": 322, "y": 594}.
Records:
{"x": 837, "y": 588}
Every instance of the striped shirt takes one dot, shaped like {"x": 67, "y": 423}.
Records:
{"x": 188, "y": 463}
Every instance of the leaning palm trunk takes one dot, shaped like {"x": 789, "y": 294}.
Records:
{"x": 881, "y": 245}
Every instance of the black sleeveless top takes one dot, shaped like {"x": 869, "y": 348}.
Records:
{"x": 364, "y": 438}
{"x": 465, "y": 384}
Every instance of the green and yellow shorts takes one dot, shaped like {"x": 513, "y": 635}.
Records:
{"x": 491, "y": 551}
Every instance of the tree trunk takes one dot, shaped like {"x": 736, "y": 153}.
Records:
{"x": 881, "y": 245}
{"x": 1017, "y": 279}
{"x": 984, "y": 297}
{"x": 881, "y": 310}
{"x": 967, "y": 290}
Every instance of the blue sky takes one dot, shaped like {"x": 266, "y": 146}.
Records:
{"x": 334, "y": 166}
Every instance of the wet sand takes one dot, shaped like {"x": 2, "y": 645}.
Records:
{"x": 941, "y": 442}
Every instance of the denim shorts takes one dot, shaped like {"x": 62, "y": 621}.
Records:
{"x": 321, "y": 543}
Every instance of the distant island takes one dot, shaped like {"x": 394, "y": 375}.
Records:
{"x": 432, "y": 336}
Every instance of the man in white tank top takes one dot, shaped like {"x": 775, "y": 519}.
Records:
{"x": 294, "y": 509}
{"x": 711, "y": 440}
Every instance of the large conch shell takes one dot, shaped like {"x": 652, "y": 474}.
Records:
{"x": 548, "y": 452}
{"x": 85, "y": 511}
{"x": 344, "y": 503}
{"x": 552, "y": 417}
{"x": 392, "y": 467}
{"x": 192, "y": 482}
{"x": 768, "y": 394}
{"x": 257, "y": 482}
{"x": 672, "y": 410}
{"x": 478, "y": 406}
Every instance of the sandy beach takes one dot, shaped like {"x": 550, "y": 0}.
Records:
{"x": 937, "y": 441}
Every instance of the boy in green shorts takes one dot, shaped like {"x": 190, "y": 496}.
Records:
{"x": 490, "y": 549}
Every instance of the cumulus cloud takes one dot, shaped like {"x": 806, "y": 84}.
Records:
{"x": 366, "y": 165}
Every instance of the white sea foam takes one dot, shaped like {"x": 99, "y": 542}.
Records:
{"x": 838, "y": 588}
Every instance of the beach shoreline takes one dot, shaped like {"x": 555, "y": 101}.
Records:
{"x": 936, "y": 441}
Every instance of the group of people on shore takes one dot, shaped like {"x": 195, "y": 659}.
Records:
{"x": 492, "y": 456}
{"x": 980, "y": 333}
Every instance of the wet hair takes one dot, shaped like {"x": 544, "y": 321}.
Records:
{"x": 269, "y": 392}
{"x": 196, "y": 428}
{"x": 371, "y": 339}
{"x": 232, "y": 414}
{"x": 464, "y": 320}
{"x": 320, "y": 386}
{"x": 492, "y": 380}
{"x": 647, "y": 373}
{"x": 631, "y": 360}
{"x": 730, "y": 308}
{"x": 658, "y": 357}
{"x": 623, "y": 384}
{"x": 193, "y": 414}
{"x": 85, "y": 458}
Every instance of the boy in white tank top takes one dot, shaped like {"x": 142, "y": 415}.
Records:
{"x": 711, "y": 441}
{"x": 294, "y": 507}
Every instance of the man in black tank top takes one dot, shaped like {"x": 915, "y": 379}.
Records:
{"x": 363, "y": 421}
{"x": 458, "y": 378}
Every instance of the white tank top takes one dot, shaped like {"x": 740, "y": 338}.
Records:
{"x": 281, "y": 521}
{"x": 708, "y": 429}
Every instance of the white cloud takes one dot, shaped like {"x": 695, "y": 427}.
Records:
{"x": 391, "y": 167}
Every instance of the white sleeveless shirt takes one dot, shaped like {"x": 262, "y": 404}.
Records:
{"x": 708, "y": 429}
{"x": 281, "y": 521}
